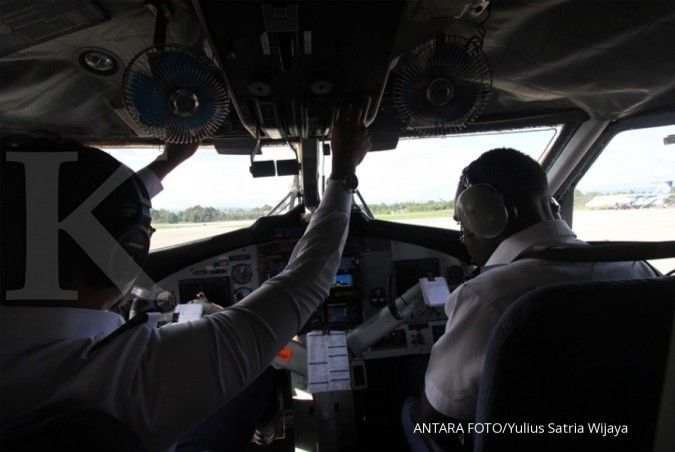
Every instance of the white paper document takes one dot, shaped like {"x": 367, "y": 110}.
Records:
{"x": 435, "y": 292}
{"x": 187, "y": 312}
{"x": 327, "y": 361}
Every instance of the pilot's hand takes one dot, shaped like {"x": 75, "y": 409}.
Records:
{"x": 174, "y": 154}
{"x": 349, "y": 140}
{"x": 180, "y": 152}
{"x": 413, "y": 295}
{"x": 413, "y": 300}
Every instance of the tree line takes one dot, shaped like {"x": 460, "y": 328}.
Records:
{"x": 200, "y": 214}
{"x": 410, "y": 206}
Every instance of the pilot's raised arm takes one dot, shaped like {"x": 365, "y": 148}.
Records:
{"x": 174, "y": 154}
{"x": 180, "y": 374}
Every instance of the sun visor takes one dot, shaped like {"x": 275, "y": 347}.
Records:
{"x": 385, "y": 131}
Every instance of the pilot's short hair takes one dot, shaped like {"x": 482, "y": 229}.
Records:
{"x": 77, "y": 180}
{"x": 515, "y": 175}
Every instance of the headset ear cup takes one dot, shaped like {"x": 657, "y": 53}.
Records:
{"x": 129, "y": 210}
{"x": 513, "y": 213}
{"x": 134, "y": 246}
{"x": 481, "y": 210}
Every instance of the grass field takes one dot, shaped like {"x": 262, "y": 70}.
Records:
{"x": 446, "y": 213}
{"x": 646, "y": 224}
{"x": 229, "y": 224}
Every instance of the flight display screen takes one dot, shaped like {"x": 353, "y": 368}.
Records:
{"x": 345, "y": 274}
{"x": 347, "y": 264}
{"x": 337, "y": 314}
{"x": 343, "y": 280}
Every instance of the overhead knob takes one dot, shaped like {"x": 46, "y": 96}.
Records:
{"x": 440, "y": 92}
{"x": 184, "y": 102}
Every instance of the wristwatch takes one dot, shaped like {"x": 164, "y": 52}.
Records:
{"x": 350, "y": 182}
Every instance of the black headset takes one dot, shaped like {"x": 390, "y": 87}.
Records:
{"x": 133, "y": 208}
{"x": 482, "y": 211}
{"x": 128, "y": 207}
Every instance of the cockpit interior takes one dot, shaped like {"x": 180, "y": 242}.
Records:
{"x": 259, "y": 83}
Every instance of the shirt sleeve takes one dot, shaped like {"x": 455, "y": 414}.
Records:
{"x": 456, "y": 363}
{"x": 186, "y": 371}
{"x": 152, "y": 183}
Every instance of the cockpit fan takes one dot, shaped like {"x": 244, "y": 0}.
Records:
{"x": 175, "y": 94}
{"x": 442, "y": 85}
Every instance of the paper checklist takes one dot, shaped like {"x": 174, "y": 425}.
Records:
{"x": 327, "y": 361}
{"x": 188, "y": 312}
{"x": 435, "y": 291}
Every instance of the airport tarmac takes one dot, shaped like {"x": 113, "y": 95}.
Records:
{"x": 647, "y": 224}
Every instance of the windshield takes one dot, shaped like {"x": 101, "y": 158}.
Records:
{"x": 416, "y": 182}
{"x": 211, "y": 194}
{"x": 208, "y": 194}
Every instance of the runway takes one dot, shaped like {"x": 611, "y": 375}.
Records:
{"x": 655, "y": 224}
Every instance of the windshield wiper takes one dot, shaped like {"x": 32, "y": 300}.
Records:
{"x": 364, "y": 204}
{"x": 289, "y": 201}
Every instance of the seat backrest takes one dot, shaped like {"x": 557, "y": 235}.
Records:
{"x": 585, "y": 356}
{"x": 70, "y": 431}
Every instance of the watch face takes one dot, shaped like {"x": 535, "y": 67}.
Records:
{"x": 351, "y": 182}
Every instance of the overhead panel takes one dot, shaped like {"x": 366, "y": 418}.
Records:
{"x": 289, "y": 64}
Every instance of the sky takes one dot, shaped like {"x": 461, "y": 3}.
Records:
{"x": 634, "y": 160}
{"x": 417, "y": 170}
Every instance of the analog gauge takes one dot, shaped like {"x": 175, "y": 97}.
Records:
{"x": 378, "y": 297}
{"x": 241, "y": 273}
{"x": 241, "y": 293}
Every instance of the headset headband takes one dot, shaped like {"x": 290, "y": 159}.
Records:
{"x": 464, "y": 178}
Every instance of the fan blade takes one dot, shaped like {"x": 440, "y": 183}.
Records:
{"x": 175, "y": 94}
{"x": 442, "y": 85}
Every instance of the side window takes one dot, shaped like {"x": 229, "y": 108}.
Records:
{"x": 629, "y": 191}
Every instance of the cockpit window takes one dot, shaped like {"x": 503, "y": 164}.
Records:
{"x": 416, "y": 182}
{"x": 628, "y": 193}
{"x": 208, "y": 194}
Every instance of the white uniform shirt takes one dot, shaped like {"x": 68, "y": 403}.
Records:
{"x": 162, "y": 382}
{"x": 456, "y": 362}
{"x": 152, "y": 183}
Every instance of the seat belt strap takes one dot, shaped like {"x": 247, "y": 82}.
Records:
{"x": 135, "y": 321}
{"x": 619, "y": 252}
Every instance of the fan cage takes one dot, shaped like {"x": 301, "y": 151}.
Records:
{"x": 453, "y": 57}
{"x": 145, "y": 77}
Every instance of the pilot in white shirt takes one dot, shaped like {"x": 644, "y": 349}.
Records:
{"x": 504, "y": 209}
{"x": 162, "y": 382}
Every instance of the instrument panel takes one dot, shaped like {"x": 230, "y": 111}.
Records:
{"x": 371, "y": 270}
